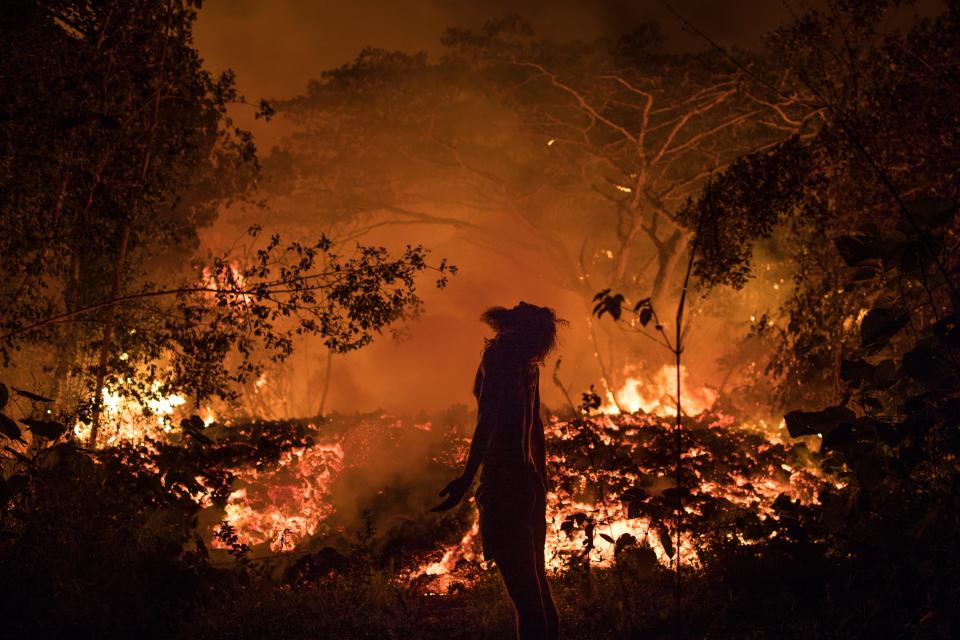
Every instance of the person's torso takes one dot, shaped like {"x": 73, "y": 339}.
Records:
{"x": 514, "y": 413}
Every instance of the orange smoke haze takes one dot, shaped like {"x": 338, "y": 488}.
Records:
{"x": 276, "y": 47}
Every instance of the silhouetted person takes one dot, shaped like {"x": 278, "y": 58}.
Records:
{"x": 508, "y": 444}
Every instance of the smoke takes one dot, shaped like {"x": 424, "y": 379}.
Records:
{"x": 276, "y": 47}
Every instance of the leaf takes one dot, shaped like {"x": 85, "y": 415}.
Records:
{"x": 601, "y": 295}
{"x": 783, "y": 502}
{"x": 646, "y": 560}
{"x": 625, "y": 540}
{"x": 45, "y": 428}
{"x": 646, "y": 315}
{"x": 808, "y": 423}
{"x": 863, "y": 273}
{"x": 615, "y": 307}
{"x": 19, "y": 456}
{"x": 856, "y": 370}
{"x": 32, "y": 396}
{"x": 609, "y": 304}
{"x": 854, "y": 249}
{"x": 665, "y": 539}
{"x": 839, "y": 438}
{"x": 879, "y": 324}
{"x": 607, "y": 538}
{"x": 932, "y": 212}
{"x": 9, "y": 428}
{"x": 199, "y": 437}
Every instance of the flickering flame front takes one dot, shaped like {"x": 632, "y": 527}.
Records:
{"x": 465, "y": 550}
{"x": 601, "y": 522}
{"x": 282, "y": 507}
{"x": 126, "y": 419}
{"x": 657, "y": 395}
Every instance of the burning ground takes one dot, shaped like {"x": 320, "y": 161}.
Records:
{"x": 293, "y": 496}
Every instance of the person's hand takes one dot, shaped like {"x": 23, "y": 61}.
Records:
{"x": 454, "y": 493}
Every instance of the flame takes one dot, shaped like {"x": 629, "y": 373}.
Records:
{"x": 657, "y": 395}
{"x": 223, "y": 280}
{"x": 608, "y": 518}
{"x": 126, "y": 419}
{"x": 282, "y": 507}
{"x": 465, "y": 550}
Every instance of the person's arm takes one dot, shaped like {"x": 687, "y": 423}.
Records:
{"x": 537, "y": 444}
{"x": 482, "y": 435}
{"x": 488, "y": 400}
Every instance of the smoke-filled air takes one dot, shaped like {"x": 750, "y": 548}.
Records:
{"x": 515, "y": 319}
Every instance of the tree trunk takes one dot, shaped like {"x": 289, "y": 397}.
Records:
{"x": 668, "y": 255}
{"x": 67, "y": 351}
{"x": 108, "y": 335}
{"x": 326, "y": 383}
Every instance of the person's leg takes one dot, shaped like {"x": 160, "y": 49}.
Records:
{"x": 519, "y": 571}
{"x": 549, "y": 608}
{"x": 540, "y": 540}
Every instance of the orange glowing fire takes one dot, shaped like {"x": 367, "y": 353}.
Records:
{"x": 223, "y": 280}
{"x": 127, "y": 419}
{"x": 609, "y": 517}
{"x": 657, "y": 395}
{"x": 284, "y": 506}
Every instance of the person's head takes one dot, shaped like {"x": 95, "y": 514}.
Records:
{"x": 531, "y": 331}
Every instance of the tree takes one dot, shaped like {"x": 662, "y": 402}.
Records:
{"x": 879, "y": 173}
{"x": 868, "y": 208}
{"x": 117, "y": 149}
{"x": 571, "y": 159}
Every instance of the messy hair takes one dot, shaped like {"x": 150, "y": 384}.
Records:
{"x": 531, "y": 331}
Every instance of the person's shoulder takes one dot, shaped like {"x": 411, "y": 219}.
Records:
{"x": 496, "y": 357}
{"x": 499, "y": 358}
{"x": 493, "y": 355}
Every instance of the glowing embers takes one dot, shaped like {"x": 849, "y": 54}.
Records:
{"x": 613, "y": 487}
{"x": 457, "y": 567}
{"x": 657, "y": 395}
{"x": 463, "y": 551}
{"x": 284, "y": 505}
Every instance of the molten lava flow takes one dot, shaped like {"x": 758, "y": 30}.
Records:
{"x": 657, "y": 395}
